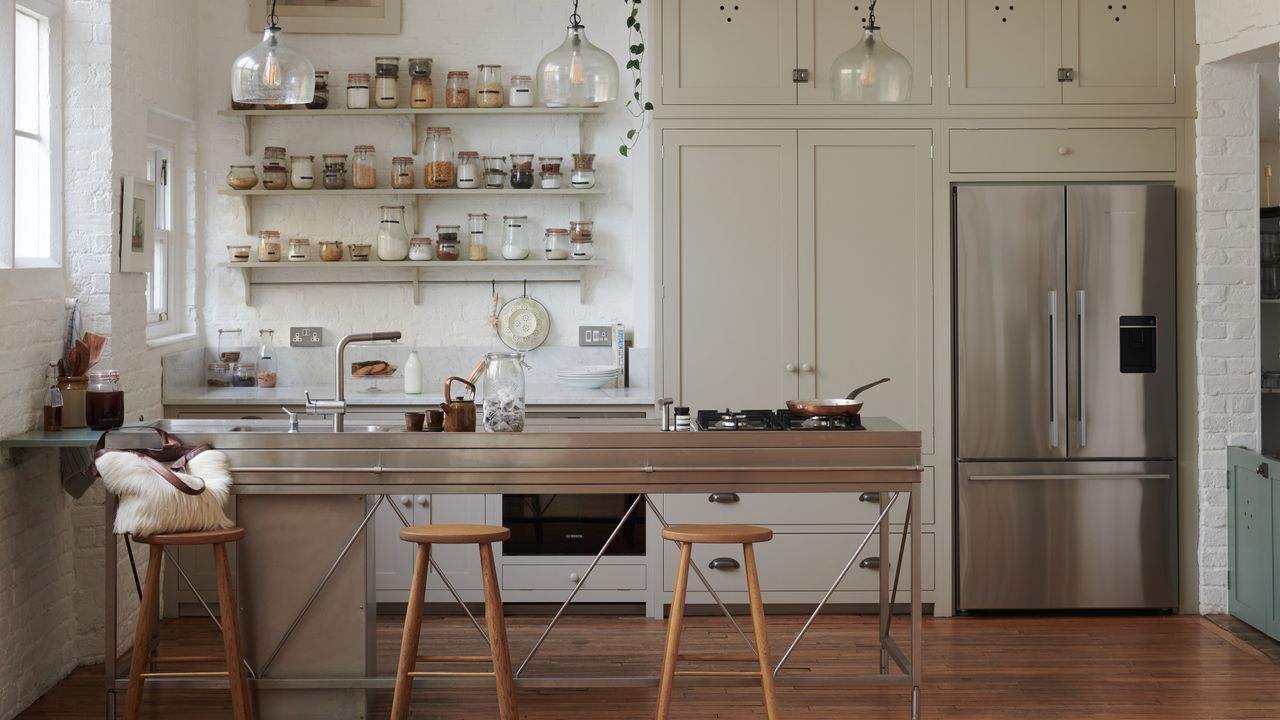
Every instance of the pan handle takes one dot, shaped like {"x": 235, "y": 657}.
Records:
{"x": 868, "y": 386}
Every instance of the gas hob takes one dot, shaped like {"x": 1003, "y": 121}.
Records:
{"x": 760, "y": 420}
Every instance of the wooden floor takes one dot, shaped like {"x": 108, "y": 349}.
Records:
{"x": 1111, "y": 668}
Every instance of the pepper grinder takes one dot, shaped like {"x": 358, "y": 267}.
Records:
{"x": 664, "y": 407}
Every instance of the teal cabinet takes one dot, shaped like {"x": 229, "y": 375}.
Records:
{"x": 1253, "y": 489}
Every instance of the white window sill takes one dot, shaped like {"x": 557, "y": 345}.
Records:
{"x": 167, "y": 340}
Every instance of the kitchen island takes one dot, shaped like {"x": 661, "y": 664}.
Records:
{"x": 307, "y": 499}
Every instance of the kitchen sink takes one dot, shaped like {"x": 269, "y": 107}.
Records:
{"x": 305, "y": 428}
{"x": 246, "y": 425}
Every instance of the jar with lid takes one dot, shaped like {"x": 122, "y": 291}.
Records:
{"x": 550, "y": 163}
{"x": 556, "y": 245}
{"x": 242, "y": 177}
{"x": 244, "y": 374}
{"x": 217, "y": 375}
{"x": 402, "y": 173}
{"x": 335, "y": 172}
{"x": 330, "y": 250}
{"x": 448, "y": 245}
{"x": 229, "y": 341}
{"x": 303, "y": 172}
{"x": 489, "y": 91}
{"x": 551, "y": 181}
{"x": 320, "y": 99}
{"x": 421, "y": 249}
{"x": 583, "y": 249}
{"x": 274, "y": 157}
{"x": 584, "y": 173}
{"x": 266, "y": 376}
{"x": 421, "y": 91}
{"x": 582, "y": 229}
{"x": 299, "y": 249}
{"x": 386, "y": 88}
{"x": 478, "y": 245}
{"x": 521, "y": 91}
{"x": 275, "y": 178}
{"x": 104, "y": 401}
{"x": 504, "y": 392}
{"x": 468, "y": 171}
{"x": 438, "y": 151}
{"x": 495, "y": 173}
{"x": 73, "y": 389}
{"x": 515, "y": 239}
{"x": 522, "y": 171}
{"x": 358, "y": 94}
{"x": 364, "y": 172}
{"x": 268, "y": 246}
{"x": 457, "y": 89}
{"x": 393, "y": 237}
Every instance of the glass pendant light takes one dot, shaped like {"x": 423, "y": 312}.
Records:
{"x": 577, "y": 74}
{"x": 871, "y": 71}
{"x": 272, "y": 73}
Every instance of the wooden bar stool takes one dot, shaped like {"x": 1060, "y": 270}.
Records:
{"x": 425, "y": 536}
{"x": 686, "y": 536}
{"x": 227, "y": 608}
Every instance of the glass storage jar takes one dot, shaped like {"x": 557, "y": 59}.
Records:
{"x": 556, "y": 245}
{"x": 583, "y": 249}
{"x": 104, "y": 401}
{"x": 358, "y": 91}
{"x": 477, "y": 236}
{"x": 239, "y": 253}
{"x": 457, "y": 89}
{"x": 515, "y": 238}
{"x": 299, "y": 250}
{"x": 218, "y": 375}
{"x": 393, "y": 236}
{"x": 275, "y": 178}
{"x": 448, "y": 242}
{"x": 489, "y": 90}
{"x": 421, "y": 248}
{"x": 468, "y": 171}
{"x": 320, "y": 98}
{"x": 504, "y": 392}
{"x": 582, "y": 229}
{"x": 364, "y": 172}
{"x": 522, "y": 171}
{"x": 495, "y": 173}
{"x": 359, "y": 251}
{"x": 330, "y": 250}
{"x": 551, "y": 181}
{"x": 402, "y": 173}
{"x": 273, "y": 156}
{"x": 386, "y": 88}
{"x": 335, "y": 172}
{"x": 521, "y": 91}
{"x": 421, "y": 92}
{"x": 584, "y": 173}
{"x": 438, "y": 152}
{"x": 229, "y": 344}
{"x": 73, "y": 390}
{"x": 550, "y": 163}
{"x": 244, "y": 374}
{"x": 268, "y": 246}
{"x": 302, "y": 173}
{"x": 242, "y": 177}
{"x": 266, "y": 376}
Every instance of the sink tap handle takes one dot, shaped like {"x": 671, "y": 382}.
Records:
{"x": 293, "y": 418}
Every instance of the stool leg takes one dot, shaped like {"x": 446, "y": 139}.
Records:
{"x": 493, "y": 617}
{"x": 142, "y": 636}
{"x": 674, "y": 625}
{"x": 412, "y": 631}
{"x": 230, "y": 612}
{"x": 762, "y": 635}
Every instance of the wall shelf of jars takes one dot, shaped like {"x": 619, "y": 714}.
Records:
{"x": 411, "y": 273}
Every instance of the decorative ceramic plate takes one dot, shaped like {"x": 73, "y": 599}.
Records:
{"x": 523, "y": 324}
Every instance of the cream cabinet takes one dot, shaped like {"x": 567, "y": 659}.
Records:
{"x": 393, "y": 558}
{"x": 1061, "y": 51}
{"x": 798, "y": 263}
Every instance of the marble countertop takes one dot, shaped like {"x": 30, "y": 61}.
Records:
{"x": 294, "y": 395}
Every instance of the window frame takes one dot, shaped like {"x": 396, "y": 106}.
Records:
{"x": 49, "y": 15}
{"x": 174, "y": 136}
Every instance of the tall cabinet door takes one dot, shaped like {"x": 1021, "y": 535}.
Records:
{"x": 1252, "y": 538}
{"x": 866, "y": 267}
{"x": 739, "y": 52}
{"x": 1005, "y": 52}
{"x": 729, "y": 267}
{"x": 1121, "y": 52}
{"x": 829, "y": 27}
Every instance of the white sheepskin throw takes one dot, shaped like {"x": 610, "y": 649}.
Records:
{"x": 150, "y": 505}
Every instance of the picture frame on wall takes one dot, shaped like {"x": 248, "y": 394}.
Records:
{"x": 373, "y": 17}
{"x": 137, "y": 225}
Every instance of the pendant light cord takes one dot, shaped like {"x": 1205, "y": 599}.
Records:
{"x": 273, "y": 18}
{"x": 871, "y": 16}
{"x": 575, "y": 20}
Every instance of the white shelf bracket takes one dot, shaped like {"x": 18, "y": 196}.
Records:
{"x": 246, "y": 201}
{"x": 246, "y": 274}
{"x": 247, "y": 122}
{"x": 417, "y": 287}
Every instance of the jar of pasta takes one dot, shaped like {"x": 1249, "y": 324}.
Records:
{"x": 438, "y": 151}
{"x": 489, "y": 92}
{"x": 457, "y": 89}
{"x": 268, "y": 246}
{"x": 364, "y": 173}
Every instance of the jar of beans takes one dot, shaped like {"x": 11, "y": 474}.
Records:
{"x": 457, "y": 89}
{"x": 402, "y": 173}
{"x": 522, "y": 171}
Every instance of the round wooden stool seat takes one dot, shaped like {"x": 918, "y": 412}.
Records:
{"x": 718, "y": 534}
{"x": 199, "y": 537}
{"x": 454, "y": 534}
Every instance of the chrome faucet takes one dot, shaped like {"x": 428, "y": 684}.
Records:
{"x": 338, "y": 406}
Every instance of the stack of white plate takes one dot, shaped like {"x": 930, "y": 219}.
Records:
{"x": 588, "y": 377}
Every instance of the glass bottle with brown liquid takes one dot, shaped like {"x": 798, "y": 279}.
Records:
{"x": 52, "y": 400}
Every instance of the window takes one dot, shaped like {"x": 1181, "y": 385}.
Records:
{"x": 159, "y": 300}
{"x": 35, "y": 214}
{"x": 170, "y": 160}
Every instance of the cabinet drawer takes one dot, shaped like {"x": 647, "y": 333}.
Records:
{"x": 775, "y": 509}
{"x": 1050, "y": 150}
{"x": 799, "y": 562}
{"x": 565, "y": 577}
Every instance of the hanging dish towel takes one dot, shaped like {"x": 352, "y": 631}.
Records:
{"x": 172, "y": 489}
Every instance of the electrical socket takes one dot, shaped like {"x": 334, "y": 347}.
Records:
{"x": 595, "y": 336}
{"x": 306, "y": 336}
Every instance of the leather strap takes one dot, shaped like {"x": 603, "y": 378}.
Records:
{"x": 170, "y": 452}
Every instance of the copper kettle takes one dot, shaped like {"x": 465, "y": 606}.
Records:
{"x": 459, "y": 412}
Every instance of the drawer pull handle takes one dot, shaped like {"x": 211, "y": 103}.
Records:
{"x": 1064, "y": 150}
{"x": 871, "y": 563}
{"x": 869, "y": 497}
{"x": 724, "y": 498}
{"x": 575, "y": 578}
{"x": 724, "y": 564}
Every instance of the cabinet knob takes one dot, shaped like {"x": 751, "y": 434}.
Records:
{"x": 575, "y": 578}
{"x": 425, "y": 502}
{"x": 806, "y": 367}
{"x": 406, "y": 501}
{"x": 1064, "y": 150}
{"x": 790, "y": 367}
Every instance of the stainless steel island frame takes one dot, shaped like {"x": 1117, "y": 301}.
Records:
{"x": 307, "y": 603}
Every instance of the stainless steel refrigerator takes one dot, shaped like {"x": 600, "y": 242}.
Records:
{"x": 1066, "y": 396}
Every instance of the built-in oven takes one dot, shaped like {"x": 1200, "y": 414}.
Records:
{"x": 571, "y": 525}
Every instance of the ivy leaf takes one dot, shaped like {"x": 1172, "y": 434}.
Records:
{"x": 637, "y": 96}
{"x": 648, "y": 106}
{"x": 631, "y": 21}
{"x": 623, "y": 149}
{"x": 637, "y": 82}
{"x": 638, "y": 27}
{"x": 631, "y": 133}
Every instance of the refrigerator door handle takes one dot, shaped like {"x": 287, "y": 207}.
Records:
{"x": 1130, "y": 476}
{"x": 1053, "y": 383}
{"x": 1080, "y": 361}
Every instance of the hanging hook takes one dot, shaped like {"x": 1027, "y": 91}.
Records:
{"x": 493, "y": 287}
{"x": 871, "y": 16}
{"x": 575, "y": 20}
{"x": 273, "y": 17}
{"x": 526, "y": 288}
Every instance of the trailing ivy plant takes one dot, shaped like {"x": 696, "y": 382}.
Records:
{"x": 637, "y": 106}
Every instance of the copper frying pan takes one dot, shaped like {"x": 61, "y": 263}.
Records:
{"x": 831, "y": 407}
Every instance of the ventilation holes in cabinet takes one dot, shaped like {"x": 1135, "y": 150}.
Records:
{"x": 857, "y": 9}
{"x": 728, "y": 10}
{"x": 1008, "y": 9}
